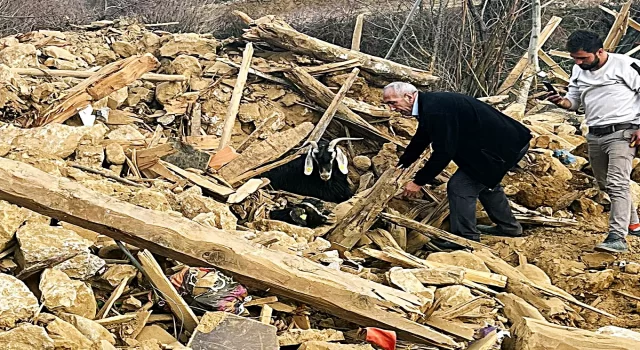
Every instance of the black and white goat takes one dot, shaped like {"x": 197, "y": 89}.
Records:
{"x": 320, "y": 180}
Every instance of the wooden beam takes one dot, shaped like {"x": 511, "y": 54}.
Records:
{"x": 236, "y": 96}
{"x": 104, "y": 311}
{"x": 41, "y": 72}
{"x": 201, "y": 181}
{"x": 563, "y": 54}
{"x": 332, "y": 67}
{"x": 265, "y": 314}
{"x": 108, "y": 79}
{"x": 555, "y": 68}
{"x": 632, "y": 23}
{"x": 278, "y": 33}
{"x": 331, "y": 110}
{"x": 167, "y": 291}
{"x": 320, "y": 94}
{"x": 339, "y": 293}
{"x": 633, "y": 51}
{"x": 357, "y": 33}
{"x": 618, "y": 29}
{"x": 433, "y": 232}
{"x": 520, "y": 67}
{"x": 196, "y": 119}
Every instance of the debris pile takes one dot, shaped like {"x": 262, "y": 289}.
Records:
{"x": 137, "y": 210}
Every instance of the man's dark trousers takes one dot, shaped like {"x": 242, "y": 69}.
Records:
{"x": 464, "y": 192}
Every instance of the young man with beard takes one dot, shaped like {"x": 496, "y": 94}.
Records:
{"x": 608, "y": 87}
{"x": 480, "y": 140}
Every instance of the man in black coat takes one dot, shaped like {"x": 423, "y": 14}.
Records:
{"x": 484, "y": 144}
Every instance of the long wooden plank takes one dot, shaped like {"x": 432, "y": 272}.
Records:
{"x": 517, "y": 71}
{"x": 104, "y": 311}
{"x": 618, "y": 29}
{"x": 257, "y": 154}
{"x": 108, "y": 79}
{"x": 357, "y": 33}
{"x": 199, "y": 180}
{"x": 167, "y": 291}
{"x": 236, "y": 96}
{"x": 555, "y": 67}
{"x": 339, "y": 293}
{"x": 432, "y": 231}
{"x": 632, "y": 22}
{"x": 278, "y": 33}
{"x": 41, "y": 72}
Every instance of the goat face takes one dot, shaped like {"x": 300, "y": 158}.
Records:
{"x": 323, "y": 154}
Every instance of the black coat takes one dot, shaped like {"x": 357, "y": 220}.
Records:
{"x": 482, "y": 141}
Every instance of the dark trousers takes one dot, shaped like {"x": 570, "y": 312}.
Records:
{"x": 463, "y": 193}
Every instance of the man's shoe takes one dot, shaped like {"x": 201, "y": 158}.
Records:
{"x": 495, "y": 231}
{"x": 634, "y": 229}
{"x": 613, "y": 244}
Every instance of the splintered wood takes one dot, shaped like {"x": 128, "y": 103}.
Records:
{"x": 110, "y": 78}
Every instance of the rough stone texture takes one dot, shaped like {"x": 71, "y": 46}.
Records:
{"x": 229, "y": 331}
{"x": 82, "y": 266}
{"x": 90, "y": 155}
{"x": 115, "y": 153}
{"x": 452, "y": 296}
{"x": 17, "y": 303}
{"x": 139, "y": 94}
{"x": 362, "y": 163}
{"x": 299, "y": 336}
{"x": 58, "y": 52}
{"x": 632, "y": 268}
{"x": 19, "y": 56}
{"x": 155, "y": 332}
{"x": 592, "y": 282}
{"x": 90, "y": 329}
{"x": 57, "y": 140}
{"x": 42, "y": 245}
{"x": 290, "y": 229}
{"x": 188, "y": 44}
{"x": 151, "y": 199}
{"x": 124, "y": 49}
{"x": 404, "y": 127}
{"x": 188, "y": 66}
{"x": 386, "y": 158}
{"x": 321, "y": 345}
{"x": 61, "y": 64}
{"x": 11, "y": 218}
{"x": 26, "y": 337}
{"x": 117, "y": 273}
{"x": 459, "y": 258}
{"x": 192, "y": 203}
{"x": 168, "y": 91}
{"x": 125, "y": 133}
{"x": 62, "y": 294}
{"x": 64, "y": 335}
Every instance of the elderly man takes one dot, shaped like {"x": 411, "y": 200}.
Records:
{"x": 608, "y": 86}
{"x": 483, "y": 143}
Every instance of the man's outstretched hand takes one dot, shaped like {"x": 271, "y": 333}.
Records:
{"x": 559, "y": 100}
{"x": 411, "y": 190}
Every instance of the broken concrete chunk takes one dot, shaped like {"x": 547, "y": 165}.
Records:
{"x": 11, "y": 218}
{"x": 124, "y": 49}
{"x": 41, "y": 246}
{"x": 362, "y": 163}
{"x": 290, "y": 229}
{"x": 61, "y": 64}
{"x": 168, "y": 91}
{"x": 220, "y": 330}
{"x": 386, "y": 158}
{"x": 188, "y": 44}
{"x": 115, "y": 274}
{"x": 156, "y": 332}
{"x": 17, "y": 303}
{"x": 82, "y": 266}
{"x": 125, "y": 133}
{"x": 19, "y": 56}
{"x": 405, "y": 127}
{"x": 115, "y": 153}
{"x": 188, "y": 66}
{"x": 62, "y": 294}
{"x": 58, "y": 52}
{"x": 459, "y": 258}
{"x": 452, "y": 296}
{"x": 64, "y": 335}
{"x": 58, "y": 140}
{"x": 192, "y": 204}
{"x": 90, "y": 155}
{"x": 151, "y": 199}
{"x": 321, "y": 345}
{"x": 299, "y": 336}
{"x": 26, "y": 337}
{"x": 89, "y": 328}
{"x": 139, "y": 94}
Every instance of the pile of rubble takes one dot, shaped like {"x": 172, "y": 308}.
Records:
{"x": 116, "y": 133}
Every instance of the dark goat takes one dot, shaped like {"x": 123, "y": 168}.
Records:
{"x": 317, "y": 175}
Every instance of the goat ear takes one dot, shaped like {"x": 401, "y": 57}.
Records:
{"x": 308, "y": 162}
{"x": 342, "y": 161}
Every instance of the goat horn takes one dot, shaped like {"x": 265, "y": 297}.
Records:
{"x": 313, "y": 144}
{"x": 332, "y": 144}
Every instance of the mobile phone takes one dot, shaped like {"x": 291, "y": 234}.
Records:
{"x": 550, "y": 87}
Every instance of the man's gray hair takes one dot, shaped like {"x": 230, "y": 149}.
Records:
{"x": 400, "y": 88}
